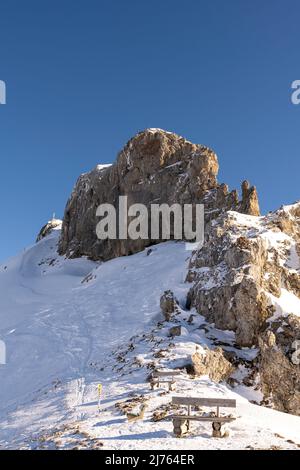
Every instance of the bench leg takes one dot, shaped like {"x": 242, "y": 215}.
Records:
{"x": 219, "y": 430}
{"x": 181, "y": 427}
{"x": 172, "y": 386}
{"x": 154, "y": 384}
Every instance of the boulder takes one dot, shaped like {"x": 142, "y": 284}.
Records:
{"x": 212, "y": 363}
{"x": 178, "y": 331}
{"x": 168, "y": 304}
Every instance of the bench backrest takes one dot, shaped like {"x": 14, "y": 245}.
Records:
{"x": 164, "y": 373}
{"x": 194, "y": 401}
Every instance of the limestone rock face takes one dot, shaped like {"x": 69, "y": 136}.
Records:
{"x": 154, "y": 167}
{"x": 241, "y": 270}
{"x": 227, "y": 279}
{"x": 280, "y": 364}
{"x": 212, "y": 363}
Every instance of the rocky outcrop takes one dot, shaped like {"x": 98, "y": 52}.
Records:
{"x": 178, "y": 331}
{"x": 211, "y": 363}
{"x": 246, "y": 279}
{"x": 242, "y": 267}
{"x": 280, "y": 364}
{"x": 227, "y": 277}
{"x": 154, "y": 167}
{"x": 249, "y": 203}
{"x": 168, "y": 305}
{"x": 54, "y": 224}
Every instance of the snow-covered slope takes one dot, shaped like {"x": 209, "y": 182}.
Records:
{"x": 71, "y": 324}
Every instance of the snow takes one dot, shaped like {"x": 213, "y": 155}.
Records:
{"x": 153, "y": 130}
{"x": 286, "y": 304}
{"x": 71, "y": 324}
{"x": 293, "y": 261}
{"x": 172, "y": 165}
{"x": 50, "y": 308}
{"x": 245, "y": 220}
{"x": 213, "y": 277}
{"x": 103, "y": 166}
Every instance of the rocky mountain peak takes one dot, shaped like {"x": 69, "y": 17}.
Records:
{"x": 155, "y": 166}
{"x": 156, "y": 148}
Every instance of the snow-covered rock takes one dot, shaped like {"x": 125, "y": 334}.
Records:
{"x": 53, "y": 224}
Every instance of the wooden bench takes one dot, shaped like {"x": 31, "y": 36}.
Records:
{"x": 162, "y": 377}
{"x": 181, "y": 423}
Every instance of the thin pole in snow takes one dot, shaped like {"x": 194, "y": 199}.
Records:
{"x": 99, "y": 396}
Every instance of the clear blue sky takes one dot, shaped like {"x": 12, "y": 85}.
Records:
{"x": 84, "y": 76}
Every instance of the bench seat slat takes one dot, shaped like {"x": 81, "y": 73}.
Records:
{"x": 222, "y": 419}
{"x": 166, "y": 373}
{"x": 164, "y": 381}
{"x": 194, "y": 401}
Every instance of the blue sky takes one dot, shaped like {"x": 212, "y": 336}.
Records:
{"x": 84, "y": 76}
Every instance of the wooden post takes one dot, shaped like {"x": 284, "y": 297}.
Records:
{"x": 189, "y": 414}
{"x": 216, "y": 429}
{"x": 180, "y": 426}
{"x": 99, "y": 396}
{"x": 172, "y": 386}
{"x": 219, "y": 429}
